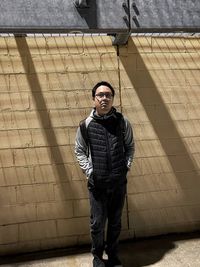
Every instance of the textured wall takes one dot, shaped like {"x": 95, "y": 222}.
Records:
{"x": 45, "y": 90}
{"x": 160, "y": 84}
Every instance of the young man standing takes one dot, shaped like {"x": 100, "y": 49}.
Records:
{"x": 104, "y": 148}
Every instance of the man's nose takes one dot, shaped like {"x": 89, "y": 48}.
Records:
{"x": 104, "y": 96}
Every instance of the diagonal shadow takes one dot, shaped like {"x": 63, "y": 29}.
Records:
{"x": 167, "y": 132}
{"x": 34, "y": 83}
{"x": 161, "y": 122}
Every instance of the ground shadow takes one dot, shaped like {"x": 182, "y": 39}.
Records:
{"x": 133, "y": 253}
{"x": 44, "y": 255}
{"x": 144, "y": 252}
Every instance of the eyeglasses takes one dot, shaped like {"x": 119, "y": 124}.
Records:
{"x": 101, "y": 95}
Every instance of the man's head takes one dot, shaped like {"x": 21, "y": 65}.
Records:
{"x": 103, "y": 95}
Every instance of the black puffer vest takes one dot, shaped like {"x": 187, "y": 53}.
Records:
{"x": 107, "y": 149}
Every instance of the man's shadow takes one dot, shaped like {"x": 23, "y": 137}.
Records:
{"x": 144, "y": 252}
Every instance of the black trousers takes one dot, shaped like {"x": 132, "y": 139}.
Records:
{"x": 106, "y": 207}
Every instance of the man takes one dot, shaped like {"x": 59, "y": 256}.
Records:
{"x": 104, "y": 148}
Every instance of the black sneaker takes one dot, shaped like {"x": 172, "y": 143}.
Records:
{"x": 114, "y": 262}
{"x": 97, "y": 262}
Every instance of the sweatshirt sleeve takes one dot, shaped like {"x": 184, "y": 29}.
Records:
{"x": 129, "y": 143}
{"x": 82, "y": 154}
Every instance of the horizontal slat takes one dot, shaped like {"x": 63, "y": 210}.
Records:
{"x": 165, "y": 15}
{"x": 63, "y": 16}
{"x": 112, "y": 17}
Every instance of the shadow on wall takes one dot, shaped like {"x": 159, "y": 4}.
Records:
{"x": 182, "y": 164}
{"x": 159, "y": 117}
{"x": 34, "y": 83}
{"x": 65, "y": 191}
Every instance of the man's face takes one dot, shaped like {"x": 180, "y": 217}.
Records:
{"x": 103, "y": 100}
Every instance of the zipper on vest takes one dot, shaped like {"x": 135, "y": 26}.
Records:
{"x": 107, "y": 151}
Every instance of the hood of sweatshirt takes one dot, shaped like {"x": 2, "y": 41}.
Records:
{"x": 111, "y": 113}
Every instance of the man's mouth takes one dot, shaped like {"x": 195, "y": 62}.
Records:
{"x": 104, "y": 104}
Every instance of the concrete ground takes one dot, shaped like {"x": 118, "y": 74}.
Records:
{"x": 181, "y": 250}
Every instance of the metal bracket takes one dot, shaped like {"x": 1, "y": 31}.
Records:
{"x": 122, "y": 38}
{"x": 118, "y": 18}
{"x": 81, "y": 4}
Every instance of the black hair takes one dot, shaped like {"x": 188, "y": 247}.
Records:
{"x": 100, "y": 84}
